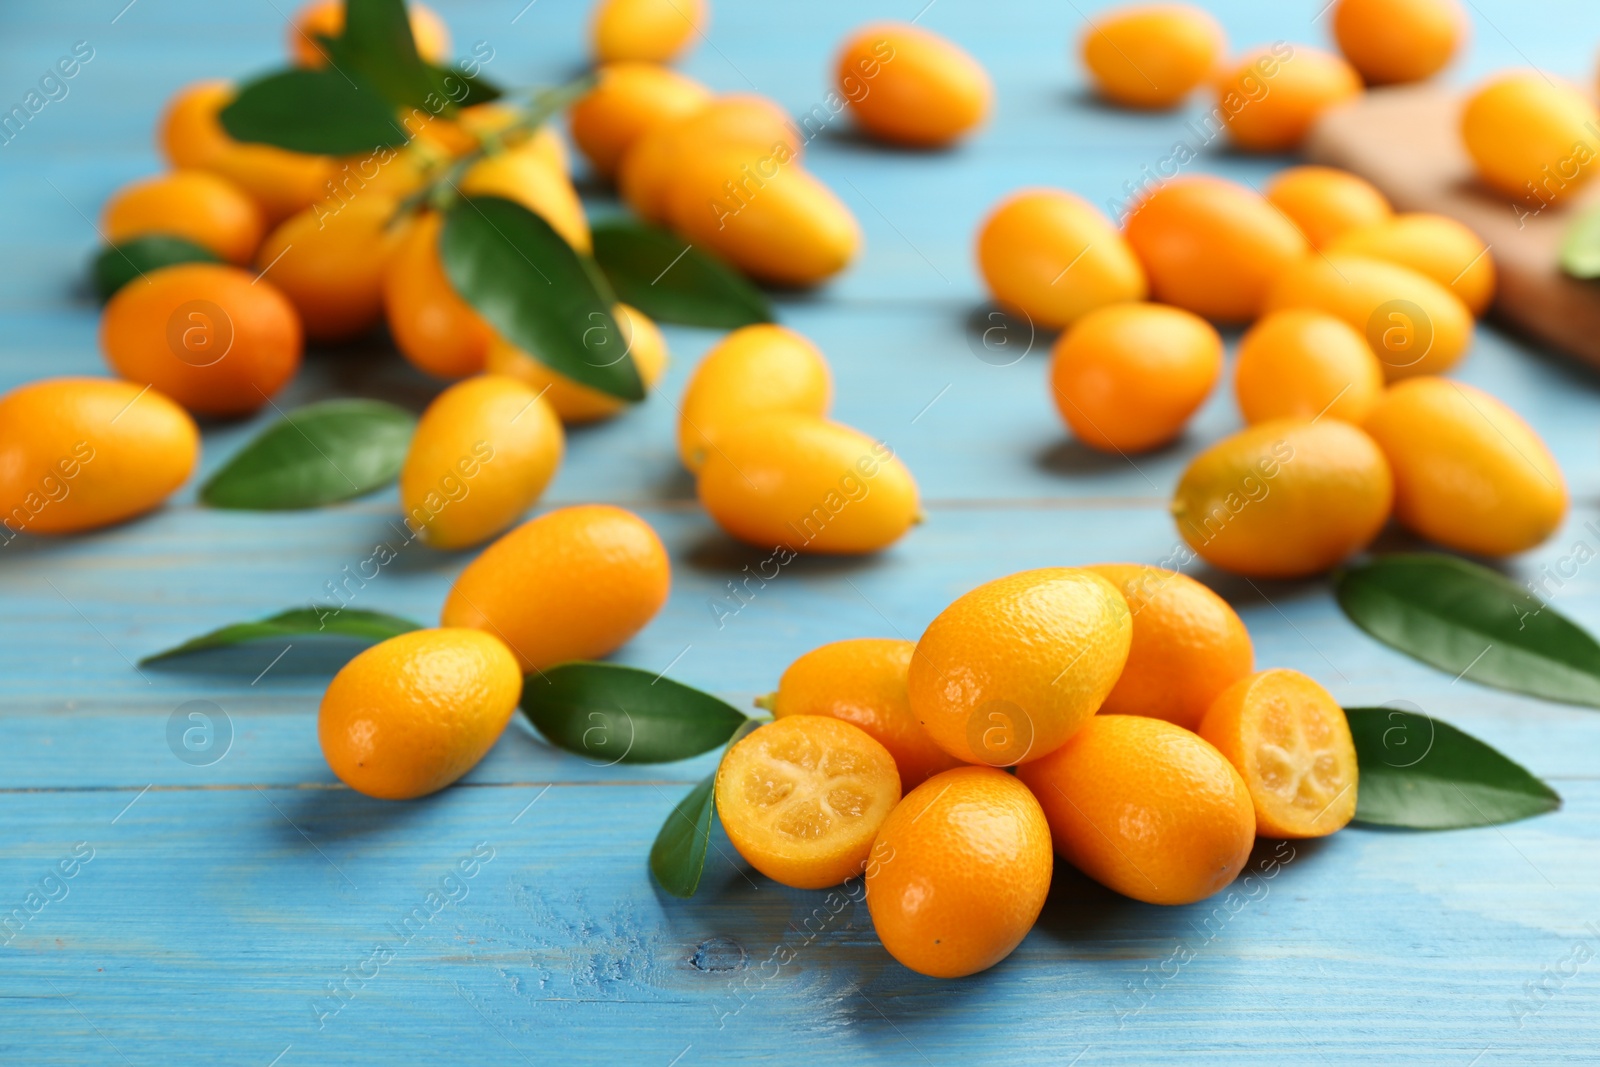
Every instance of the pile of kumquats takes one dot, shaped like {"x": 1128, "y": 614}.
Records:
{"x": 1112, "y": 715}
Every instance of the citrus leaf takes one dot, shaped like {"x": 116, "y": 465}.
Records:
{"x": 670, "y": 280}
{"x": 1580, "y": 246}
{"x": 320, "y": 111}
{"x": 376, "y": 45}
{"x": 537, "y": 292}
{"x": 1473, "y": 623}
{"x": 296, "y": 622}
{"x": 617, "y": 714}
{"x": 319, "y": 454}
{"x": 1424, "y": 774}
{"x": 119, "y": 264}
{"x": 678, "y": 856}
{"x": 462, "y": 89}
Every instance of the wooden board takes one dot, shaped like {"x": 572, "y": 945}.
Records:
{"x": 221, "y": 900}
{"x": 1407, "y": 142}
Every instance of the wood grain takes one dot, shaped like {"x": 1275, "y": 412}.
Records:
{"x": 222, "y": 899}
{"x": 1407, "y": 142}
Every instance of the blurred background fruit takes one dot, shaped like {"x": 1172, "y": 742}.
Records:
{"x": 329, "y": 261}
{"x": 1432, "y": 245}
{"x": 1305, "y": 364}
{"x": 208, "y": 210}
{"x": 629, "y": 100}
{"x": 1050, "y": 255}
{"x": 1326, "y": 202}
{"x": 744, "y": 121}
{"x": 1212, "y": 246}
{"x": 751, "y": 373}
{"x": 1469, "y": 473}
{"x": 525, "y": 175}
{"x": 650, "y": 31}
{"x": 1270, "y": 98}
{"x": 1151, "y": 55}
{"x": 768, "y": 217}
{"x": 1413, "y": 324}
{"x": 79, "y": 453}
{"x": 483, "y": 452}
{"x": 436, "y": 330}
{"x": 1126, "y": 378}
{"x": 208, "y": 336}
{"x": 808, "y": 485}
{"x": 1284, "y": 499}
{"x": 1394, "y": 41}
{"x": 1532, "y": 138}
{"x": 908, "y": 86}
{"x": 574, "y": 583}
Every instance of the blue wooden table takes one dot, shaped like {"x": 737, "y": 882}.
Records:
{"x": 243, "y": 907}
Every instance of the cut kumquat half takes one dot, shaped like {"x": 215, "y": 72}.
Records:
{"x": 1290, "y": 741}
{"x": 802, "y": 799}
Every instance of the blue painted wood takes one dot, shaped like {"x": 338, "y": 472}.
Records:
{"x": 221, "y": 900}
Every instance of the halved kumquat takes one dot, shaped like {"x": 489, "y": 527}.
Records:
{"x": 802, "y": 799}
{"x": 1290, "y": 742}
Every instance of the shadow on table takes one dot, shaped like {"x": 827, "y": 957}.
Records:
{"x": 1098, "y": 922}
{"x": 1087, "y": 98}
{"x": 756, "y": 943}
{"x": 1081, "y": 920}
{"x": 1071, "y": 458}
{"x": 715, "y": 552}
{"x": 1242, "y": 590}
{"x": 306, "y": 822}
{"x": 672, "y": 482}
{"x": 370, "y": 368}
{"x": 850, "y": 136}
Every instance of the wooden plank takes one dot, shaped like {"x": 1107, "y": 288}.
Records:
{"x": 969, "y": 429}
{"x": 1407, "y": 142}
{"x": 105, "y": 723}
{"x": 218, "y": 917}
{"x": 214, "y": 913}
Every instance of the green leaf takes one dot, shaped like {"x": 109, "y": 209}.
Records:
{"x": 324, "y": 111}
{"x": 537, "y": 292}
{"x": 377, "y": 49}
{"x": 1580, "y": 246}
{"x": 671, "y": 280}
{"x": 296, "y": 622}
{"x": 618, "y": 714}
{"x": 1424, "y": 774}
{"x": 463, "y": 89}
{"x": 678, "y": 857}
{"x": 1473, "y": 623}
{"x": 120, "y": 264}
{"x": 319, "y": 454}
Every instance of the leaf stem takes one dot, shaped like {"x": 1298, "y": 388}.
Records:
{"x": 543, "y": 105}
